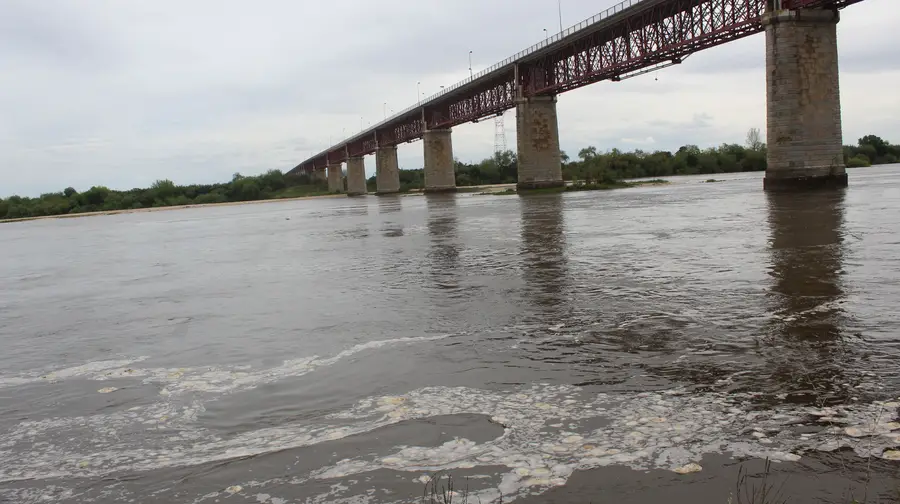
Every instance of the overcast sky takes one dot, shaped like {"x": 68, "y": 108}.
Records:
{"x": 121, "y": 93}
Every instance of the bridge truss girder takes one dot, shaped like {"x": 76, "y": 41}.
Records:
{"x": 646, "y": 36}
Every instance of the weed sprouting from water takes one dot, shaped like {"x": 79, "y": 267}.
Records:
{"x": 436, "y": 492}
{"x": 767, "y": 493}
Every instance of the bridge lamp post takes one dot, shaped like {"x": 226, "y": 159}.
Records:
{"x": 559, "y": 8}
{"x": 418, "y": 92}
{"x": 545, "y": 34}
{"x": 385, "y": 111}
{"x": 470, "y": 64}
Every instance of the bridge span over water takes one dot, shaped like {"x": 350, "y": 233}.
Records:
{"x": 636, "y": 36}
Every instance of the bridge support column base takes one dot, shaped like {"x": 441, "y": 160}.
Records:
{"x": 335, "y": 178}
{"x": 537, "y": 142}
{"x": 440, "y": 175}
{"x": 387, "y": 170}
{"x": 803, "y": 102}
{"x": 356, "y": 177}
{"x": 804, "y": 183}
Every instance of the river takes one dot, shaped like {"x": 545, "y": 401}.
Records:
{"x": 571, "y": 348}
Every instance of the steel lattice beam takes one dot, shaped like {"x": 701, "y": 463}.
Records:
{"x": 633, "y": 37}
{"x": 817, "y": 4}
{"x": 665, "y": 32}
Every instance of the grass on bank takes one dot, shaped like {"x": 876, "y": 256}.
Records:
{"x": 582, "y": 185}
{"x": 598, "y": 170}
{"x": 301, "y": 192}
{"x": 606, "y": 185}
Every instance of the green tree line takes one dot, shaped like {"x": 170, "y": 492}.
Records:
{"x": 615, "y": 165}
{"x": 591, "y": 166}
{"x": 870, "y": 150}
{"x": 269, "y": 185}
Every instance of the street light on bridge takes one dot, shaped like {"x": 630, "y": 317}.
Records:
{"x": 418, "y": 92}
{"x": 470, "y": 64}
{"x": 559, "y": 7}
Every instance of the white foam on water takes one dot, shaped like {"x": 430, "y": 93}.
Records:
{"x": 88, "y": 370}
{"x": 665, "y": 430}
{"x": 45, "y": 494}
{"x": 164, "y": 433}
{"x": 545, "y": 435}
{"x": 206, "y": 379}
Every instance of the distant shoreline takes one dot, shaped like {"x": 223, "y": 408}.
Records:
{"x": 165, "y": 208}
{"x": 490, "y": 188}
{"x": 227, "y": 203}
{"x": 639, "y": 181}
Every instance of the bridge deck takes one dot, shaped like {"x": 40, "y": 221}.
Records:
{"x": 634, "y": 36}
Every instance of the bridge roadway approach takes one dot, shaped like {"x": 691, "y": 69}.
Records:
{"x": 635, "y": 36}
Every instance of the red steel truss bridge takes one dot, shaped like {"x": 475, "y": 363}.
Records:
{"x": 630, "y": 38}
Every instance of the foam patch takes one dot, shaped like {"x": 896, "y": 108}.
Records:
{"x": 89, "y": 370}
{"x": 207, "y": 379}
{"x": 667, "y": 430}
{"x": 549, "y": 431}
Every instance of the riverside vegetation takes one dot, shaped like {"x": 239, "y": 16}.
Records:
{"x": 591, "y": 170}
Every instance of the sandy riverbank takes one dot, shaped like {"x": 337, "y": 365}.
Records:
{"x": 167, "y": 208}
{"x": 490, "y": 188}
{"x": 230, "y": 203}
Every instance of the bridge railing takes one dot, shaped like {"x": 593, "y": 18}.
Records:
{"x": 615, "y": 9}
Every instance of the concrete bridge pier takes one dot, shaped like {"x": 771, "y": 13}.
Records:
{"x": 537, "y": 143}
{"x": 440, "y": 175}
{"x": 387, "y": 170}
{"x": 335, "y": 178}
{"x": 356, "y": 176}
{"x": 319, "y": 176}
{"x": 803, "y": 101}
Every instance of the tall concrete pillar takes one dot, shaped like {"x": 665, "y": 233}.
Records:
{"x": 537, "y": 140}
{"x": 387, "y": 170}
{"x": 335, "y": 178}
{"x": 356, "y": 176}
{"x": 803, "y": 101}
{"x": 439, "y": 173}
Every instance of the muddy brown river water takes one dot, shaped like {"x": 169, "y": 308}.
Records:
{"x": 584, "y": 347}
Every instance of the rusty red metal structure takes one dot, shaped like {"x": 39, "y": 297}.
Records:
{"x": 633, "y": 37}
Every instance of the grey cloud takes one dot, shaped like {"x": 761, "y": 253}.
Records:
{"x": 52, "y": 32}
{"x": 123, "y": 93}
{"x": 698, "y": 122}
